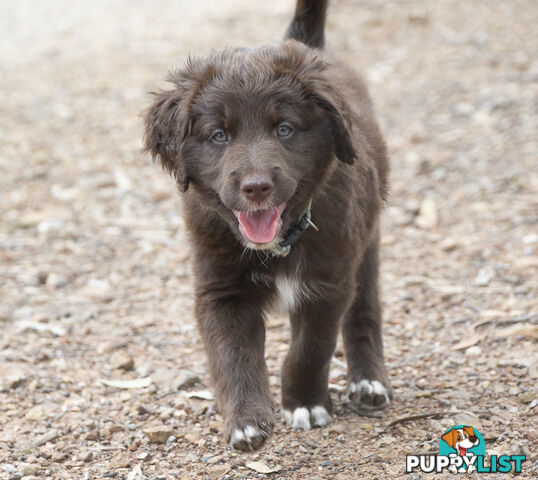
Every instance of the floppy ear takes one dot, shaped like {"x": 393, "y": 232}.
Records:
{"x": 166, "y": 125}
{"x": 343, "y": 146}
{"x": 450, "y": 437}
{"x": 168, "y": 120}
{"x": 312, "y": 72}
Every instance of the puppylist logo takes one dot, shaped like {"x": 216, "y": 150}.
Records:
{"x": 462, "y": 449}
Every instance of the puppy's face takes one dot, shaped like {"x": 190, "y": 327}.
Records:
{"x": 254, "y": 132}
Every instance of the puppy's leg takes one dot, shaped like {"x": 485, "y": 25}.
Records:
{"x": 368, "y": 386}
{"x": 305, "y": 374}
{"x": 234, "y": 335}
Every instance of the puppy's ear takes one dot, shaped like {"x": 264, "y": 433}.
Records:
{"x": 308, "y": 68}
{"x": 450, "y": 437}
{"x": 168, "y": 121}
{"x": 166, "y": 125}
{"x": 343, "y": 146}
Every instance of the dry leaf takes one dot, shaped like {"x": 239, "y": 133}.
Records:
{"x": 262, "y": 467}
{"x": 203, "y": 394}
{"x": 469, "y": 341}
{"x": 524, "y": 330}
{"x": 135, "y": 383}
{"x": 40, "y": 327}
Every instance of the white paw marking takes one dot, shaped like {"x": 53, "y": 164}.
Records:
{"x": 303, "y": 419}
{"x": 247, "y": 434}
{"x": 320, "y": 417}
{"x": 368, "y": 388}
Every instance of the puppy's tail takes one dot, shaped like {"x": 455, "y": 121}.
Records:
{"x": 308, "y": 24}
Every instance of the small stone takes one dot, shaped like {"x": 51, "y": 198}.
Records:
{"x": 474, "y": 351}
{"x": 120, "y": 360}
{"x": 134, "y": 446}
{"x": 527, "y": 397}
{"x": 8, "y": 468}
{"x": 218, "y": 471}
{"x": 92, "y": 435}
{"x": 86, "y": 456}
{"x": 28, "y": 468}
{"x": 261, "y": 467}
{"x": 167, "y": 380}
{"x": 35, "y": 413}
{"x": 143, "y": 456}
{"x": 145, "y": 410}
{"x": 56, "y": 280}
{"x": 418, "y": 17}
{"x": 125, "y": 396}
{"x": 485, "y": 276}
{"x": 427, "y": 217}
{"x": 11, "y": 376}
{"x": 467, "y": 418}
{"x": 192, "y": 438}
{"x": 423, "y": 393}
{"x": 116, "y": 428}
{"x": 158, "y": 434}
{"x": 448, "y": 244}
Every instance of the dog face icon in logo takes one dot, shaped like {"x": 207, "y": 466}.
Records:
{"x": 463, "y": 441}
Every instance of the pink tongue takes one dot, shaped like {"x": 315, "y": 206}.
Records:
{"x": 261, "y": 226}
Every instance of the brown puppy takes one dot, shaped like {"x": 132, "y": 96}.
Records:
{"x": 264, "y": 142}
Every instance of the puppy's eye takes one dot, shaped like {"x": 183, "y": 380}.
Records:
{"x": 219, "y": 136}
{"x": 284, "y": 130}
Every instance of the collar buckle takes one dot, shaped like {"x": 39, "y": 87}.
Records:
{"x": 295, "y": 231}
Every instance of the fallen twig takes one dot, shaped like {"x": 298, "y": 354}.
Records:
{"x": 418, "y": 417}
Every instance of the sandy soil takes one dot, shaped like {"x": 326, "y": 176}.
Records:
{"x": 94, "y": 276}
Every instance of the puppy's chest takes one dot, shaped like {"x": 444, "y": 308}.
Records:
{"x": 288, "y": 291}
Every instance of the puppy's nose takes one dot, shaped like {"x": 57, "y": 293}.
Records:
{"x": 256, "y": 189}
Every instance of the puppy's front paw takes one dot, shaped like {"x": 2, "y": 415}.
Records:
{"x": 368, "y": 395}
{"x": 248, "y": 435}
{"x": 303, "y": 418}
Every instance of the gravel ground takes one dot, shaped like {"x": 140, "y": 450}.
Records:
{"x": 94, "y": 276}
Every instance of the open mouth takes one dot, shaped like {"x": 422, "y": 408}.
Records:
{"x": 260, "y": 226}
{"x": 462, "y": 451}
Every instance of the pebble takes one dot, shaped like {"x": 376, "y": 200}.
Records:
{"x": 448, "y": 244}
{"x": 427, "y": 217}
{"x": 474, "y": 351}
{"x": 485, "y": 276}
{"x": 159, "y": 434}
{"x": 8, "y": 468}
{"x": 35, "y": 413}
{"x": 92, "y": 435}
{"x": 86, "y": 456}
{"x": 116, "y": 428}
{"x": 527, "y": 397}
{"x": 56, "y": 280}
{"x": 167, "y": 379}
{"x": 467, "y": 418}
{"x": 11, "y": 376}
{"x": 122, "y": 361}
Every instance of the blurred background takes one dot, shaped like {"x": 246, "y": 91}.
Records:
{"x": 94, "y": 276}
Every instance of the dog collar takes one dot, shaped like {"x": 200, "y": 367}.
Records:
{"x": 294, "y": 232}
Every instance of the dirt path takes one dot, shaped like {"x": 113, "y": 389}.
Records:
{"x": 94, "y": 277}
